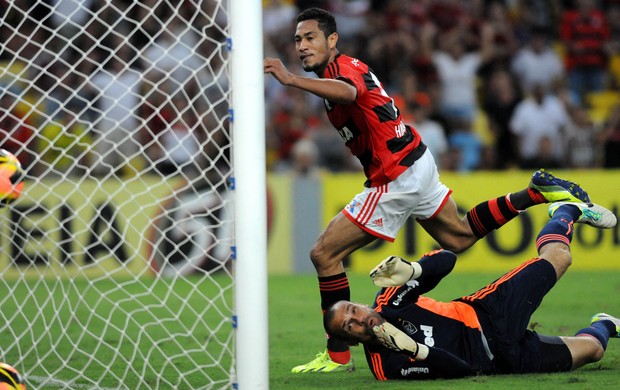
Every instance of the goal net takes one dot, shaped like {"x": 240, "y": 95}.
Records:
{"x": 115, "y": 263}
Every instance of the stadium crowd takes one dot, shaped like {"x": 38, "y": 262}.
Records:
{"x": 489, "y": 84}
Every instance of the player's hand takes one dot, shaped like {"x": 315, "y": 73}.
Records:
{"x": 276, "y": 68}
{"x": 395, "y": 339}
{"x": 393, "y": 271}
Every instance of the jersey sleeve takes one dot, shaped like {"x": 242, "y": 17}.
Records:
{"x": 435, "y": 266}
{"x": 340, "y": 70}
{"x": 387, "y": 365}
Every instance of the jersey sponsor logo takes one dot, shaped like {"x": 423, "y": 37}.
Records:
{"x": 399, "y": 298}
{"x": 414, "y": 370}
{"x": 355, "y": 62}
{"x": 413, "y": 283}
{"x": 428, "y": 335}
{"x": 345, "y": 133}
{"x": 409, "y": 328}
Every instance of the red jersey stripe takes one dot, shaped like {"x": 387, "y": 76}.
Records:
{"x": 377, "y": 366}
{"x": 384, "y": 298}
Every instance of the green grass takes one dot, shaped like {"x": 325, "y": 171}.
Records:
{"x": 169, "y": 334}
{"x": 296, "y": 335}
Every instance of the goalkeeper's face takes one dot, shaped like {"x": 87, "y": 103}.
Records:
{"x": 353, "y": 321}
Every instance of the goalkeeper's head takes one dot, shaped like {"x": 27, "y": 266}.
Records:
{"x": 351, "y": 322}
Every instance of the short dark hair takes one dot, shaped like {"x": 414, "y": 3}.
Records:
{"x": 328, "y": 318}
{"x": 327, "y": 22}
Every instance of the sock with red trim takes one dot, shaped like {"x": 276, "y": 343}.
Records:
{"x": 333, "y": 289}
{"x": 600, "y": 330}
{"x": 526, "y": 198}
{"x": 491, "y": 215}
{"x": 560, "y": 227}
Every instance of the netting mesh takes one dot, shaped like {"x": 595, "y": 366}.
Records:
{"x": 114, "y": 263}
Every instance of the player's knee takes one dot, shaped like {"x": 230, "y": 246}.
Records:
{"x": 558, "y": 255}
{"x": 319, "y": 256}
{"x": 456, "y": 244}
{"x": 597, "y": 353}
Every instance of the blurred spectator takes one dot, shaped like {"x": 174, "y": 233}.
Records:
{"x": 68, "y": 16}
{"x": 585, "y": 34}
{"x": 610, "y": 139}
{"x": 545, "y": 156}
{"x": 350, "y": 16}
{"x": 538, "y": 122}
{"x": 538, "y": 63}
{"x": 503, "y": 35}
{"x": 432, "y": 133}
{"x": 65, "y": 143}
{"x": 407, "y": 95}
{"x": 457, "y": 70}
{"x": 16, "y": 132}
{"x": 580, "y": 140}
{"x": 181, "y": 141}
{"x": 537, "y": 15}
{"x": 613, "y": 16}
{"x": 305, "y": 155}
{"x": 172, "y": 56}
{"x": 500, "y": 100}
{"x": 277, "y": 18}
{"x": 391, "y": 50}
{"x": 288, "y": 124}
{"x": 467, "y": 145}
{"x": 117, "y": 90}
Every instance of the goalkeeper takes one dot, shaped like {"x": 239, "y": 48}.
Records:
{"x": 409, "y": 336}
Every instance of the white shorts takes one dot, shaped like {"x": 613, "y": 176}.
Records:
{"x": 417, "y": 192}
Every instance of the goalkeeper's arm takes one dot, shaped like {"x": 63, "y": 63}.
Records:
{"x": 439, "y": 363}
{"x": 428, "y": 271}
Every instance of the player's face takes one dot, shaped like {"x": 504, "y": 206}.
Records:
{"x": 313, "y": 47}
{"x": 355, "y": 321}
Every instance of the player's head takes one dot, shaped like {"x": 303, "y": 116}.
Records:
{"x": 315, "y": 39}
{"x": 352, "y": 322}
{"x": 326, "y": 21}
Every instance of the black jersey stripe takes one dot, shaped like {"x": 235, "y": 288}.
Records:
{"x": 369, "y": 81}
{"x": 386, "y": 112}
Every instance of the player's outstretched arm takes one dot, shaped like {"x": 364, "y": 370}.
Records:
{"x": 336, "y": 91}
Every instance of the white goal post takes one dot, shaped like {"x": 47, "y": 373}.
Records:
{"x": 135, "y": 257}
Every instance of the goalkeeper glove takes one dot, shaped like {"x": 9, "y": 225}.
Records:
{"x": 395, "y": 339}
{"x": 395, "y": 271}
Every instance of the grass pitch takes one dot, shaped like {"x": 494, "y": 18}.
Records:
{"x": 148, "y": 346}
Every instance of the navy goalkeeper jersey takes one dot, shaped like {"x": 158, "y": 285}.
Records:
{"x": 450, "y": 326}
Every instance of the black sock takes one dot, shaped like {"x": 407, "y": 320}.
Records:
{"x": 491, "y": 215}
{"x": 333, "y": 289}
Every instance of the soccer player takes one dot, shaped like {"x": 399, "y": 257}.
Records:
{"x": 409, "y": 336}
{"x": 402, "y": 178}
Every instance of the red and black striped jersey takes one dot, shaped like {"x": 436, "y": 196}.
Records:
{"x": 372, "y": 127}
{"x": 586, "y": 38}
